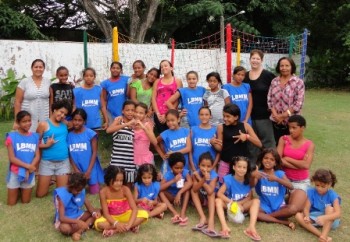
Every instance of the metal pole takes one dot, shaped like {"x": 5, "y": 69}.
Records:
{"x": 222, "y": 32}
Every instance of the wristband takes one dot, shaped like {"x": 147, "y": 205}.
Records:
{"x": 115, "y": 223}
{"x": 289, "y": 113}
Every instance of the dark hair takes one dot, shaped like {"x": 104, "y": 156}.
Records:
{"x": 192, "y": 72}
{"x": 76, "y": 181}
{"x": 142, "y": 105}
{"x": 111, "y": 172}
{"x": 21, "y": 114}
{"x": 89, "y": 69}
{"x": 81, "y": 112}
{"x": 216, "y": 75}
{"x": 204, "y": 107}
{"x": 258, "y": 52}
{"x": 274, "y": 153}
{"x": 238, "y": 69}
{"x": 146, "y": 168}
{"x": 140, "y": 62}
{"x": 300, "y": 120}
{"x": 232, "y": 109}
{"x": 128, "y": 102}
{"x": 64, "y": 103}
{"x": 156, "y": 70}
{"x": 38, "y": 60}
{"x": 206, "y": 156}
{"x": 234, "y": 162}
{"x": 175, "y": 158}
{"x": 324, "y": 176}
{"x": 116, "y": 63}
{"x": 170, "y": 64}
{"x": 61, "y": 68}
{"x": 172, "y": 112}
{"x": 291, "y": 62}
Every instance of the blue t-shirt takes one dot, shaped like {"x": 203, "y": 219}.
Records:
{"x": 236, "y": 190}
{"x": 175, "y": 140}
{"x": 59, "y": 150}
{"x": 116, "y": 94}
{"x": 192, "y": 101}
{"x": 320, "y": 202}
{"x": 271, "y": 193}
{"x": 73, "y": 205}
{"x": 150, "y": 192}
{"x": 80, "y": 151}
{"x": 169, "y": 176}
{"x": 239, "y": 96}
{"x": 201, "y": 142}
{"x": 90, "y": 101}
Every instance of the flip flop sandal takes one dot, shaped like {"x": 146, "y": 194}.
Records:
{"x": 224, "y": 235}
{"x": 211, "y": 233}
{"x": 176, "y": 219}
{"x": 108, "y": 233}
{"x": 252, "y": 236}
{"x": 199, "y": 227}
{"x": 183, "y": 221}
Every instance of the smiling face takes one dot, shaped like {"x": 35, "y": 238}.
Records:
{"x": 177, "y": 168}
{"x": 255, "y": 61}
{"x": 59, "y": 114}
{"x": 285, "y": 68}
{"x": 204, "y": 115}
{"x": 192, "y": 80}
{"x": 138, "y": 69}
{"x": 229, "y": 119}
{"x": 25, "y": 123}
{"x": 38, "y": 69}
{"x": 240, "y": 168}
{"x": 205, "y": 166}
{"x": 268, "y": 161}
{"x": 62, "y": 76}
{"x": 152, "y": 76}
{"x": 140, "y": 113}
{"x": 165, "y": 68}
{"x": 129, "y": 111}
{"x": 172, "y": 121}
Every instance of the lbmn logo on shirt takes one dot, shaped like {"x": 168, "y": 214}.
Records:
{"x": 270, "y": 190}
{"x": 237, "y": 197}
{"x": 195, "y": 100}
{"x": 202, "y": 141}
{"x": 239, "y": 97}
{"x": 117, "y": 92}
{"x": 78, "y": 147}
{"x": 27, "y": 147}
{"x": 178, "y": 142}
{"x": 89, "y": 103}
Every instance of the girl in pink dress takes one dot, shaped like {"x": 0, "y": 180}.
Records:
{"x": 163, "y": 88}
{"x": 143, "y": 137}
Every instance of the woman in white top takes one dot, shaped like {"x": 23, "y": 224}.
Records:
{"x": 32, "y": 95}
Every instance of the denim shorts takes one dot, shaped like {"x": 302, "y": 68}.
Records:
{"x": 302, "y": 184}
{"x": 13, "y": 182}
{"x": 314, "y": 215}
{"x": 49, "y": 168}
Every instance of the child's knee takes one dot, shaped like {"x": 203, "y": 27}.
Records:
{"x": 218, "y": 202}
{"x": 65, "y": 229}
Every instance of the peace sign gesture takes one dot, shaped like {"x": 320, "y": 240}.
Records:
{"x": 240, "y": 137}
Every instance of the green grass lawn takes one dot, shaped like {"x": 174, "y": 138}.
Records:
{"x": 327, "y": 114}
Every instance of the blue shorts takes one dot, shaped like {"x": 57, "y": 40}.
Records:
{"x": 58, "y": 168}
{"x": 13, "y": 182}
{"x": 314, "y": 215}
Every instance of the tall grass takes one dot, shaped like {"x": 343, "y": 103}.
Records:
{"x": 327, "y": 114}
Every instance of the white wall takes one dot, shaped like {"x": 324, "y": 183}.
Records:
{"x": 18, "y": 55}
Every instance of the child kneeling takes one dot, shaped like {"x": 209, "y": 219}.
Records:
{"x": 120, "y": 213}
{"x": 70, "y": 218}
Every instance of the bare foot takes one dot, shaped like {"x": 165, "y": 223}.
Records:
{"x": 76, "y": 236}
{"x": 291, "y": 225}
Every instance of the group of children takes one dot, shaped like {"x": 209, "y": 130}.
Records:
{"x": 203, "y": 145}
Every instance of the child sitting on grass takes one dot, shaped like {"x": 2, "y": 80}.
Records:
{"x": 70, "y": 218}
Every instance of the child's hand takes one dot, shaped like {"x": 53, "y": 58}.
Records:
{"x": 178, "y": 177}
{"x": 307, "y": 219}
{"x": 320, "y": 220}
{"x": 138, "y": 122}
{"x": 131, "y": 123}
{"x": 96, "y": 214}
{"x": 31, "y": 168}
{"x": 215, "y": 141}
{"x": 207, "y": 175}
{"x": 51, "y": 141}
{"x": 161, "y": 118}
{"x": 240, "y": 137}
{"x": 87, "y": 175}
{"x": 121, "y": 227}
{"x": 271, "y": 177}
{"x": 82, "y": 225}
{"x": 118, "y": 120}
{"x": 183, "y": 113}
{"x": 105, "y": 125}
{"x": 177, "y": 200}
{"x": 197, "y": 176}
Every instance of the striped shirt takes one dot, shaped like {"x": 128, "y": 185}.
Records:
{"x": 36, "y": 100}
{"x": 123, "y": 149}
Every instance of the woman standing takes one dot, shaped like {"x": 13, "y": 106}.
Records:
{"x": 259, "y": 80}
{"x": 285, "y": 97}
{"x": 32, "y": 95}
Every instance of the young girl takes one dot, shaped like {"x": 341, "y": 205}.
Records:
{"x": 204, "y": 185}
{"x": 63, "y": 89}
{"x": 143, "y": 137}
{"x": 23, "y": 153}
{"x": 271, "y": 186}
{"x": 215, "y": 98}
{"x": 174, "y": 139}
{"x": 175, "y": 187}
{"x": 139, "y": 71}
{"x": 236, "y": 188}
{"x": 232, "y": 138}
{"x": 240, "y": 93}
{"x": 322, "y": 208}
{"x": 162, "y": 91}
{"x": 146, "y": 191}
{"x": 120, "y": 213}
{"x": 54, "y": 148}
{"x": 191, "y": 98}
{"x": 89, "y": 97}
{"x": 123, "y": 142}
{"x": 114, "y": 90}
{"x": 70, "y": 218}
{"x": 83, "y": 148}
{"x": 200, "y": 139}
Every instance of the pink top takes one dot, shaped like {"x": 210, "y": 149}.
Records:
{"x": 117, "y": 206}
{"x": 298, "y": 154}
{"x": 142, "y": 154}
{"x": 164, "y": 92}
